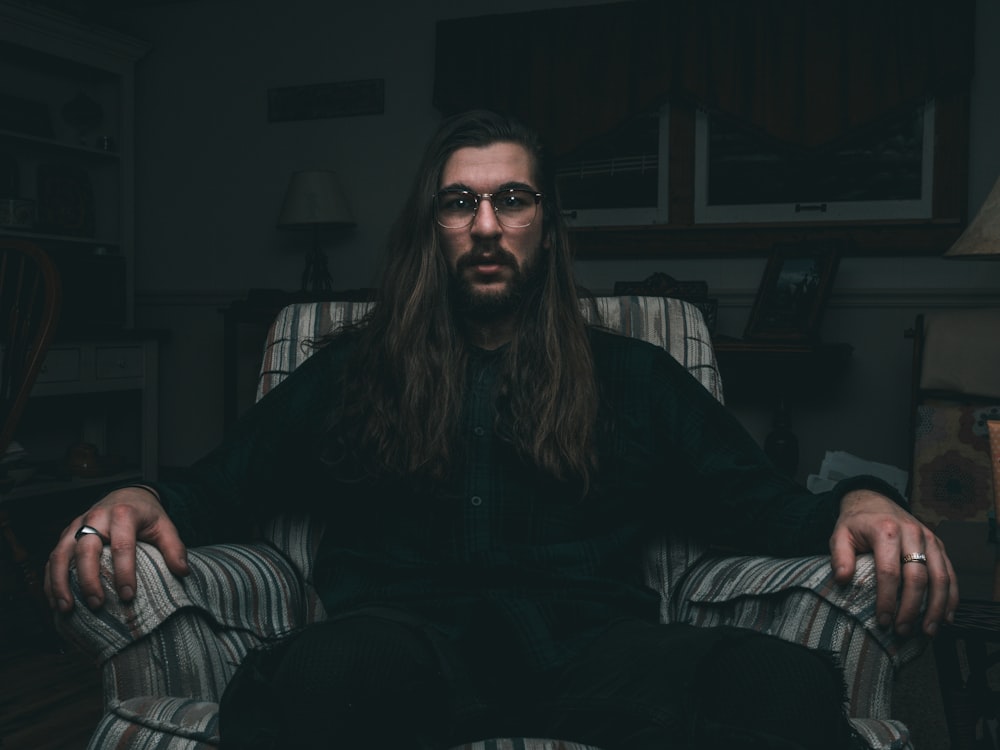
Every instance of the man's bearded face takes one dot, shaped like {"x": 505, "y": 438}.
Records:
{"x": 484, "y": 301}
{"x": 492, "y": 266}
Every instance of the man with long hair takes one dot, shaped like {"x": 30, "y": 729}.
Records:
{"x": 489, "y": 468}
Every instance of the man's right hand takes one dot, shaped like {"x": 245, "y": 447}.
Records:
{"x": 123, "y": 517}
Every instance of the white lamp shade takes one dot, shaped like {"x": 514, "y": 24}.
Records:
{"x": 981, "y": 239}
{"x": 314, "y": 198}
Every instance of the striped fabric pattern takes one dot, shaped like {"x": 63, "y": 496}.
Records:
{"x": 884, "y": 734}
{"x": 671, "y": 324}
{"x": 167, "y": 658}
{"x": 293, "y": 328}
{"x": 145, "y": 723}
{"x": 299, "y": 538}
{"x": 785, "y": 596}
{"x": 523, "y": 744}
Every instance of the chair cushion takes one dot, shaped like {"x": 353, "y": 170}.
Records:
{"x": 148, "y": 722}
{"x": 181, "y": 724}
{"x": 952, "y": 473}
{"x": 883, "y": 734}
{"x": 246, "y": 587}
{"x": 720, "y": 580}
{"x": 523, "y": 744}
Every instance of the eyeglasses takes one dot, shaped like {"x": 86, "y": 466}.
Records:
{"x": 514, "y": 208}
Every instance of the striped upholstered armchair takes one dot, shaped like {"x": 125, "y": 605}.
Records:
{"x": 167, "y": 657}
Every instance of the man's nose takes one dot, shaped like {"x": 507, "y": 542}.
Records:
{"x": 484, "y": 223}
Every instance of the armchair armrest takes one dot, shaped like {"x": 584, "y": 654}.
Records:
{"x": 185, "y": 636}
{"x": 798, "y": 600}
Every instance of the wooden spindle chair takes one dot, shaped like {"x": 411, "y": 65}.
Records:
{"x": 30, "y": 293}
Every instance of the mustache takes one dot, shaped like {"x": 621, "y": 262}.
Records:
{"x": 488, "y": 254}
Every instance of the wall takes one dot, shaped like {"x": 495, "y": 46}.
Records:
{"x": 212, "y": 171}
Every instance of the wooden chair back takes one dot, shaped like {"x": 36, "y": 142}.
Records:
{"x": 29, "y": 308}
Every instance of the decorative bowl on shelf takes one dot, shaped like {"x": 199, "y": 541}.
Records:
{"x": 17, "y": 213}
{"x": 83, "y": 460}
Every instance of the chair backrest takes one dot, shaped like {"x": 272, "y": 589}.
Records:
{"x": 956, "y": 390}
{"x": 29, "y": 308}
{"x": 675, "y": 325}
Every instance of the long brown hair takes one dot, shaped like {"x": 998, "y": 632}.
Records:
{"x": 404, "y": 390}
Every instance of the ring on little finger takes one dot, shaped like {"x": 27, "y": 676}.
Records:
{"x": 86, "y": 530}
{"x": 917, "y": 557}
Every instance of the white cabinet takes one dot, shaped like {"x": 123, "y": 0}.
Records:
{"x": 67, "y": 183}
{"x": 101, "y": 392}
{"x": 66, "y": 156}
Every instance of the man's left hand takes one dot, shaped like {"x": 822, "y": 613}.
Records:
{"x": 870, "y": 522}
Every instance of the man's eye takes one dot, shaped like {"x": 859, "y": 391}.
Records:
{"x": 456, "y": 203}
{"x": 513, "y": 200}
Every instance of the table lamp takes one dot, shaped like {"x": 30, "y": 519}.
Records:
{"x": 981, "y": 239}
{"x": 314, "y": 199}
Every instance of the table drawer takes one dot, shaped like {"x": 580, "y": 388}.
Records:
{"x": 61, "y": 366}
{"x": 119, "y": 362}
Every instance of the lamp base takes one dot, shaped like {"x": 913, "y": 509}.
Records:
{"x": 316, "y": 275}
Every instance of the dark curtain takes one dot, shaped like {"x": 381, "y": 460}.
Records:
{"x": 802, "y": 71}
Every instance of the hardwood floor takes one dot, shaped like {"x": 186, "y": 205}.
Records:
{"x": 50, "y": 698}
{"x": 50, "y": 694}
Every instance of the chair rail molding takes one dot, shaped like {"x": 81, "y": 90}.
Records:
{"x": 188, "y": 298}
{"x": 734, "y": 297}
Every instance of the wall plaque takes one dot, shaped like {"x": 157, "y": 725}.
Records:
{"x": 325, "y": 100}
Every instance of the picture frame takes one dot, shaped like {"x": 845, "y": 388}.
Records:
{"x": 793, "y": 292}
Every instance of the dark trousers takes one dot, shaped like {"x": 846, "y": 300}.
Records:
{"x": 382, "y": 679}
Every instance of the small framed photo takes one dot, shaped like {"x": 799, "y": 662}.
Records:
{"x": 793, "y": 294}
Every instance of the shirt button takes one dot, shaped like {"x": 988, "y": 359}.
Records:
{"x": 479, "y": 431}
{"x": 476, "y": 500}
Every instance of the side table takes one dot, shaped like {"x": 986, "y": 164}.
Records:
{"x": 782, "y": 374}
{"x": 967, "y": 652}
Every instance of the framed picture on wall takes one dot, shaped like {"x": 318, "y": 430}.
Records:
{"x": 793, "y": 293}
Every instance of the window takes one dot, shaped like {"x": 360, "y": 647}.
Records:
{"x": 880, "y": 173}
{"x": 898, "y": 189}
{"x": 619, "y": 179}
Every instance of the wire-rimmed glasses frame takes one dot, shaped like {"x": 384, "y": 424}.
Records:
{"x": 515, "y": 208}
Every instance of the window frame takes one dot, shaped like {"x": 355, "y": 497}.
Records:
{"x": 682, "y": 237}
{"x": 613, "y": 217}
{"x": 798, "y": 212}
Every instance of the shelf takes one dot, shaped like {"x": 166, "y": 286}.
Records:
{"x": 53, "y": 144}
{"x": 36, "y": 487}
{"x": 84, "y": 193}
{"x": 871, "y": 239}
{"x": 70, "y": 239}
{"x": 754, "y": 371}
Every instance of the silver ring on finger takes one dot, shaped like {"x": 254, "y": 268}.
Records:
{"x": 87, "y": 530}
{"x": 915, "y": 557}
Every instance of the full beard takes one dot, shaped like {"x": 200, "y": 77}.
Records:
{"x": 487, "y": 304}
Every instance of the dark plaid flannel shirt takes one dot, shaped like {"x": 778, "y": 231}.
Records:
{"x": 515, "y": 567}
